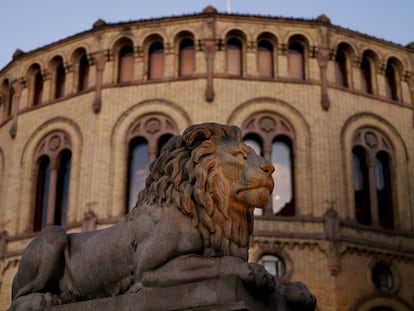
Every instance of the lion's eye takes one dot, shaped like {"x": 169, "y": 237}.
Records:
{"x": 240, "y": 154}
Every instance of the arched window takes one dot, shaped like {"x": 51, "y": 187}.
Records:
{"x": 366, "y": 74}
{"x": 341, "y": 72}
{"x": 186, "y": 58}
{"x": 60, "y": 80}
{"x": 6, "y": 99}
{"x": 42, "y": 193}
{"x": 282, "y": 197}
{"x": 83, "y": 76}
{"x": 296, "y": 60}
{"x": 391, "y": 90}
{"x": 138, "y": 164}
{"x": 371, "y": 165}
{"x": 383, "y": 186}
{"x": 126, "y": 64}
{"x": 361, "y": 186}
{"x": 272, "y": 137}
{"x": 273, "y": 264}
{"x": 146, "y": 138}
{"x": 156, "y": 61}
{"x": 265, "y": 59}
{"x": 234, "y": 55}
{"x": 53, "y": 158}
{"x": 35, "y": 78}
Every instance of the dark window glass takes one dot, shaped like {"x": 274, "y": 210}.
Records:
{"x": 186, "y": 58}
{"x": 390, "y": 83}
{"x": 83, "y": 74}
{"x": 340, "y": 69}
{"x": 361, "y": 186}
{"x": 382, "y": 277}
{"x": 10, "y": 103}
{"x": 265, "y": 55}
{"x": 60, "y": 81}
{"x": 234, "y": 57}
{"x": 62, "y": 188}
{"x": 296, "y": 61}
{"x": 282, "y": 196}
{"x": 383, "y": 186}
{"x": 366, "y": 78}
{"x": 38, "y": 89}
{"x": 138, "y": 164}
{"x": 156, "y": 61}
{"x": 126, "y": 64}
{"x": 161, "y": 142}
{"x": 42, "y": 193}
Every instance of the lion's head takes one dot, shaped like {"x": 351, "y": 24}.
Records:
{"x": 209, "y": 175}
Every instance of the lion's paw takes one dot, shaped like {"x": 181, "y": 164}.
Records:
{"x": 263, "y": 280}
{"x": 297, "y": 294}
{"x": 136, "y": 287}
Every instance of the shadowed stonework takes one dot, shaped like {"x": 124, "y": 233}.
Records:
{"x": 184, "y": 245}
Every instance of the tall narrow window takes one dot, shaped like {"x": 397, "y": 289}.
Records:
{"x": 296, "y": 61}
{"x": 37, "y": 88}
{"x": 186, "y": 61}
{"x": 62, "y": 189}
{"x": 10, "y": 102}
{"x": 341, "y": 69}
{"x": 391, "y": 83}
{"x": 383, "y": 186}
{"x": 42, "y": 193}
{"x": 83, "y": 78}
{"x": 273, "y": 264}
{"x": 282, "y": 197}
{"x": 156, "y": 61}
{"x": 234, "y": 57}
{"x": 265, "y": 59}
{"x": 126, "y": 64}
{"x": 366, "y": 76}
{"x": 361, "y": 186}
{"x": 52, "y": 182}
{"x": 138, "y": 164}
{"x": 60, "y": 81}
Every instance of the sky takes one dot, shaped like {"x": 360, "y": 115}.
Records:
{"x": 30, "y": 24}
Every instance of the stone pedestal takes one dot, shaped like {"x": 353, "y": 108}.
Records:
{"x": 217, "y": 294}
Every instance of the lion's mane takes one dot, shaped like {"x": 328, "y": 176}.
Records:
{"x": 187, "y": 175}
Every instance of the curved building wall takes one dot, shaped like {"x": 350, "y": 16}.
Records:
{"x": 327, "y": 96}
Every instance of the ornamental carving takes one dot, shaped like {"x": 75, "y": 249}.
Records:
{"x": 372, "y": 140}
{"x": 53, "y": 144}
{"x": 268, "y": 125}
{"x": 152, "y": 127}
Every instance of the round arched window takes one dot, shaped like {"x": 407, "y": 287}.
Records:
{"x": 273, "y": 264}
{"x": 382, "y": 277}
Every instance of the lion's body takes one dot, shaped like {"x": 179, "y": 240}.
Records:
{"x": 192, "y": 222}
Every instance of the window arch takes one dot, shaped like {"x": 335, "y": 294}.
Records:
{"x": 59, "y": 76}
{"x": 156, "y": 60}
{"x": 342, "y": 65}
{"x": 372, "y": 170}
{"x": 53, "y": 160}
{"x": 145, "y": 138}
{"x": 6, "y": 99}
{"x": 273, "y": 137}
{"x": 265, "y": 52}
{"x": 296, "y": 58}
{"x": 186, "y": 57}
{"x": 83, "y": 70}
{"x": 234, "y": 56}
{"x": 367, "y": 72}
{"x": 126, "y": 63}
{"x": 35, "y": 78}
{"x": 392, "y": 80}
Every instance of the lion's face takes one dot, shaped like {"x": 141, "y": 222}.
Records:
{"x": 248, "y": 175}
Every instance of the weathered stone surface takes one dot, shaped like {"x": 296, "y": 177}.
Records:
{"x": 221, "y": 294}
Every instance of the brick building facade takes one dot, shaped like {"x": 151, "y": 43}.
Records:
{"x": 331, "y": 108}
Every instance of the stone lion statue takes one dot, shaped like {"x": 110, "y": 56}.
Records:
{"x": 192, "y": 222}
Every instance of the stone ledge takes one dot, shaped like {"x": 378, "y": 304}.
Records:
{"x": 217, "y": 294}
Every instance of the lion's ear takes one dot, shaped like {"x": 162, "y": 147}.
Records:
{"x": 197, "y": 135}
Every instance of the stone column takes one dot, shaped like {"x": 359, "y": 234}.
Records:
{"x": 323, "y": 57}
{"x": 373, "y": 191}
{"x": 100, "y": 66}
{"x": 51, "y": 205}
{"x": 15, "y": 94}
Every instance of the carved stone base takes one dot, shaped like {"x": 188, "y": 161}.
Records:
{"x": 218, "y": 294}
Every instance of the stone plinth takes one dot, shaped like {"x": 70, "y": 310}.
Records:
{"x": 216, "y": 294}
